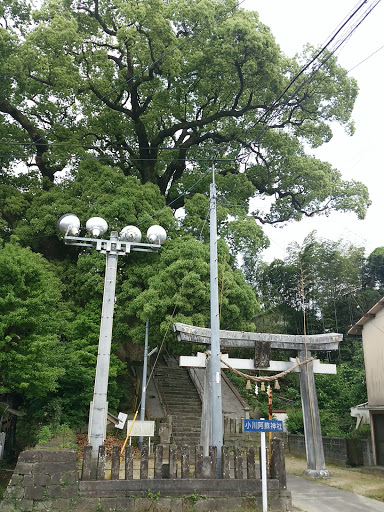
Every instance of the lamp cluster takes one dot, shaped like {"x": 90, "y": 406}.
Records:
{"x": 96, "y": 227}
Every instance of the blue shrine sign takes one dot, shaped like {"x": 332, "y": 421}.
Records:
{"x": 263, "y": 426}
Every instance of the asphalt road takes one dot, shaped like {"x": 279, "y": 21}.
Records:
{"x": 311, "y": 496}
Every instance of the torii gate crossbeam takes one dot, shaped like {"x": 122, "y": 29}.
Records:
{"x": 304, "y": 346}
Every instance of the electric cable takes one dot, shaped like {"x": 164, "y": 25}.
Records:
{"x": 203, "y": 28}
{"x": 366, "y": 58}
{"x": 286, "y": 88}
{"x": 295, "y": 77}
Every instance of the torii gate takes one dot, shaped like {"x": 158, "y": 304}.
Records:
{"x": 262, "y": 343}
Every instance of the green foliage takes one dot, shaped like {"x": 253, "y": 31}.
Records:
{"x": 150, "y": 87}
{"x": 154, "y": 496}
{"x": 30, "y": 322}
{"x": 364, "y": 432}
{"x": 375, "y": 267}
{"x": 178, "y": 284}
{"x": 331, "y": 274}
{"x": 333, "y": 423}
{"x": 99, "y": 507}
{"x": 45, "y": 435}
{"x": 294, "y": 421}
{"x": 194, "y": 497}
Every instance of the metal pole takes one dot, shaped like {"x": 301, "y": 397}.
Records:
{"x": 144, "y": 381}
{"x": 216, "y": 402}
{"x": 98, "y": 412}
{"x": 263, "y": 462}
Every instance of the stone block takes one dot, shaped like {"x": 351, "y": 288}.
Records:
{"x": 14, "y": 492}
{"x": 143, "y": 504}
{"x": 70, "y": 478}
{"x": 55, "y": 478}
{"x": 55, "y": 491}
{"x": 49, "y": 468}
{"x": 219, "y": 504}
{"x": 59, "y": 456}
{"x": 41, "y": 480}
{"x": 249, "y": 502}
{"x": 25, "y": 505}
{"x": 86, "y": 505}
{"x": 69, "y": 491}
{"x": 43, "y": 506}
{"x": 163, "y": 505}
{"x": 31, "y": 456}
{"x": 234, "y": 503}
{"x": 35, "y": 493}
{"x": 61, "y": 505}
{"x": 16, "y": 479}
{"x": 205, "y": 504}
{"x": 116, "y": 504}
{"x": 280, "y": 504}
{"x": 23, "y": 468}
{"x": 176, "y": 504}
{"x": 7, "y": 506}
{"x": 28, "y": 480}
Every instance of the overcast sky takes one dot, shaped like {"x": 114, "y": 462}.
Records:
{"x": 293, "y": 24}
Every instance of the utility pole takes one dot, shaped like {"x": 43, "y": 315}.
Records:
{"x": 144, "y": 380}
{"x": 215, "y": 365}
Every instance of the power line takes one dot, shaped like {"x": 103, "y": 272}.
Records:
{"x": 338, "y": 43}
{"x": 366, "y": 58}
{"x": 275, "y": 112}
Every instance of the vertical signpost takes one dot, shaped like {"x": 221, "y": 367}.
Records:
{"x": 263, "y": 426}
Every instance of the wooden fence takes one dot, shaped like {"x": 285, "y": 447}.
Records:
{"x": 180, "y": 463}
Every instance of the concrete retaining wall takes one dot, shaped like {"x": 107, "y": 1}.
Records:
{"x": 337, "y": 450}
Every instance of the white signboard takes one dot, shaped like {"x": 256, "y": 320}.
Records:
{"x": 122, "y": 419}
{"x": 141, "y": 428}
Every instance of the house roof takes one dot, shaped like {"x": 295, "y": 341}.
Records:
{"x": 358, "y": 327}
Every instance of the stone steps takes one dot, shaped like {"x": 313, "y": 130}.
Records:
{"x": 182, "y": 402}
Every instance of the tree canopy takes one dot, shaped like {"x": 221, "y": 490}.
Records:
{"x": 121, "y": 110}
{"x": 160, "y": 89}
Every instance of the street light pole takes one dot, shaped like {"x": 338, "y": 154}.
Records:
{"x": 99, "y": 408}
{"x": 118, "y": 245}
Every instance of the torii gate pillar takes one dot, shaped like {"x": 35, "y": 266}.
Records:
{"x": 311, "y": 418}
{"x": 304, "y": 345}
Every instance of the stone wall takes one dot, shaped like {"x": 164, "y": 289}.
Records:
{"x": 47, "y": 480}
{"x": 42, "y": 480}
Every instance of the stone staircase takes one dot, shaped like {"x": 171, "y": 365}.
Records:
{"x": 181, "y": 401}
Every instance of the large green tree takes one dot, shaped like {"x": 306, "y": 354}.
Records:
{"x": 118, "y": 109}
{"x": 156, "y": 87}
